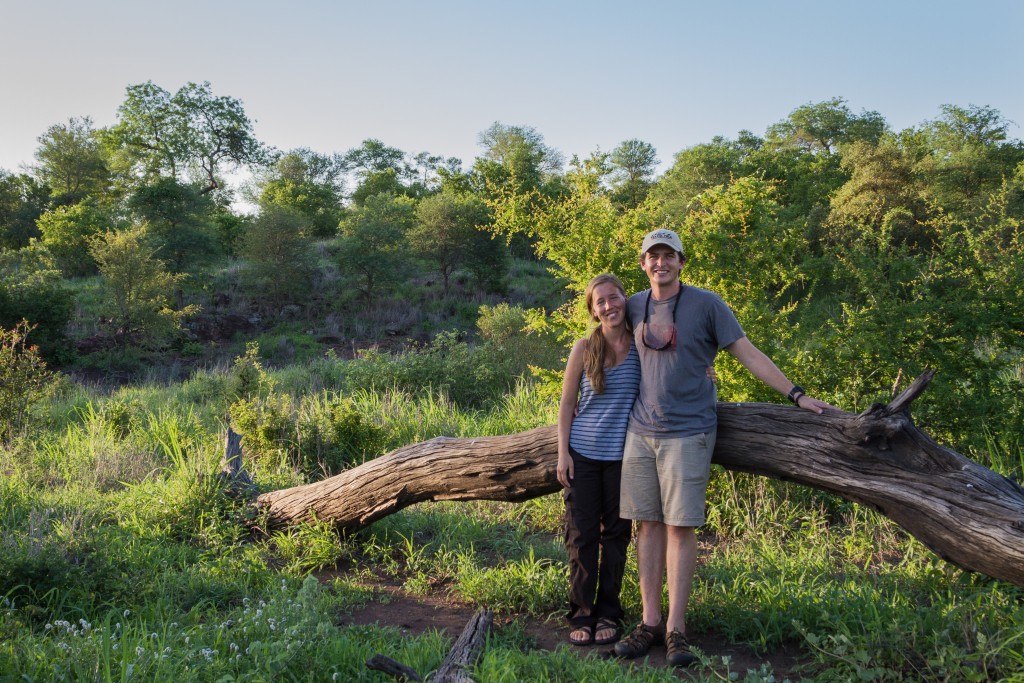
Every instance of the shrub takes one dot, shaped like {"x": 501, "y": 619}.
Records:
{"x": 515, "y": 335}
{"x": 24, "y": 380}
{"x": 333, "y": 434}
{"x": 323, "y": 433}
{"x": 32, "y": 289}
{"x": 281, "y": 261}
{"x": 139, "y": 289}
{"x": 467, "y": 375}
{"x": 67, "y": 231}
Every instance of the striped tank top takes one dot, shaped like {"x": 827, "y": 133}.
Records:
{"x": 599, "y": 428}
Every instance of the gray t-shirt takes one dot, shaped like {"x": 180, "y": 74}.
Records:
{"x": 676, "y": 397}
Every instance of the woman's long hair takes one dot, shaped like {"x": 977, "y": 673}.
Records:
{"x": 595, "y": 356}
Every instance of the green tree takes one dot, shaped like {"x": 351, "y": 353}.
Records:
{"x": 280, "y": 260}
{"x": 428, "y": 171}
{"x": 310, "y": 183}
{"x": 378, "y": 183}
{"x": 71, "y": 161}
{"x": 373, "y": 156}
{"x": 138, "y": 290}
{"x": 180, "y": 222}
{"x": 516, "y": 158}
{"x": 521, "y": 150}
{"x": 379, "y": 169}
{"x": 372, "y": 238}
{"x": 450, "y": 233}
{"x": 318, "y": 204}
{"x": 955, "y": 306}
{"x": 823, "y": 127}
{"x": 517, "y": 163}
{"x": 66, "y": 233}
{"x": 633, "y": 163}
{"x": 969, "y": 156}
{"x": 883, "y": 192}
{"x": 32, "y": 289}
{"x": 22, "y": 201}
{"x": 230, "y": 228}
{"x": 192, "y": 135}
{"x": 702, "y": 167}
{"x": 581, "y": 232}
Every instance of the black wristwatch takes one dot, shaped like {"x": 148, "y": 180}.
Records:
{"x": 795, "y": 393}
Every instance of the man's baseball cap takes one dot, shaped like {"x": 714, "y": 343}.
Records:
{"x": 661, "y": 236}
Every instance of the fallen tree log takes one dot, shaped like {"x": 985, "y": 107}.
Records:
{"x": 964, "y": 512}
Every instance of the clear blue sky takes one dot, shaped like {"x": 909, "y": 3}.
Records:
{"x": 430, "y": 75}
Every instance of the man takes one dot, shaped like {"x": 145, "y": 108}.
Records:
{"x": 671, "y": 436}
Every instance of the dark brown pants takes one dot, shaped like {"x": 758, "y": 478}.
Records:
{"x": 596, "y": 539}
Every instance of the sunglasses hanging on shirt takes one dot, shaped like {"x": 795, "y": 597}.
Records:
{"x": 672, "y": 335}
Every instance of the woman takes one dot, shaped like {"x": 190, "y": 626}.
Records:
{"x": 602, "y": 377}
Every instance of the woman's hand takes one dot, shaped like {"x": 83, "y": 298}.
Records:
{"x": 565, "y": 470}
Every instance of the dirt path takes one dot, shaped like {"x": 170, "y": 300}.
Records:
{"x": 414, "y": 615}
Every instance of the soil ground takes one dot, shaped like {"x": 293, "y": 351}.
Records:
{"x": 415, "y": 614}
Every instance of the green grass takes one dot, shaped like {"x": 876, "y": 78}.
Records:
{"x": 122, "y": 558}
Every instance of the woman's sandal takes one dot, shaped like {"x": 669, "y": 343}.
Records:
{"x": 606, "y": 624}
{"x": 588, "y": 632}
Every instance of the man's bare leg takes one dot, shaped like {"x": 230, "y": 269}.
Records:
{"x": 681, "y": 563}
{"x": 650, "y": 551}
{"x": 650, "y": 555}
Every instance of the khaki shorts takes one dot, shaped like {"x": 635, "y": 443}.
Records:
{"x": 666, "y": 479}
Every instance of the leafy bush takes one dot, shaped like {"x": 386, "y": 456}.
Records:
{"x": 32, "y": 289}
{"x": 468, "y": 375}
{"x": 139, "y": 290}
{"x": 281, "y": 260}
{"x": 67, "y": 231}
{"x": 333, "y": 434}
{"x": 323, "y": 433}
{"x": 515, "y": 333}
{"x": 24, "y": 380}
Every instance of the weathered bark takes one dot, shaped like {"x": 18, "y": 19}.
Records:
{"x": 465, "y": 651}
{"x": 238, "y": 481}
{"x": 400, "y": 672}
{"x": 456, "y": 665}
{"x": 966, "y": 513}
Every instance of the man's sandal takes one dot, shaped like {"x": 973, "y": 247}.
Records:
{"x": 639, "y": 642}
{"x": 677, "y": 650}
{"x": 606, "y": 624}
{"x": 587, "y": 632}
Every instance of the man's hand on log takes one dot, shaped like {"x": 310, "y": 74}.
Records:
{"x": 814, "y": 405}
